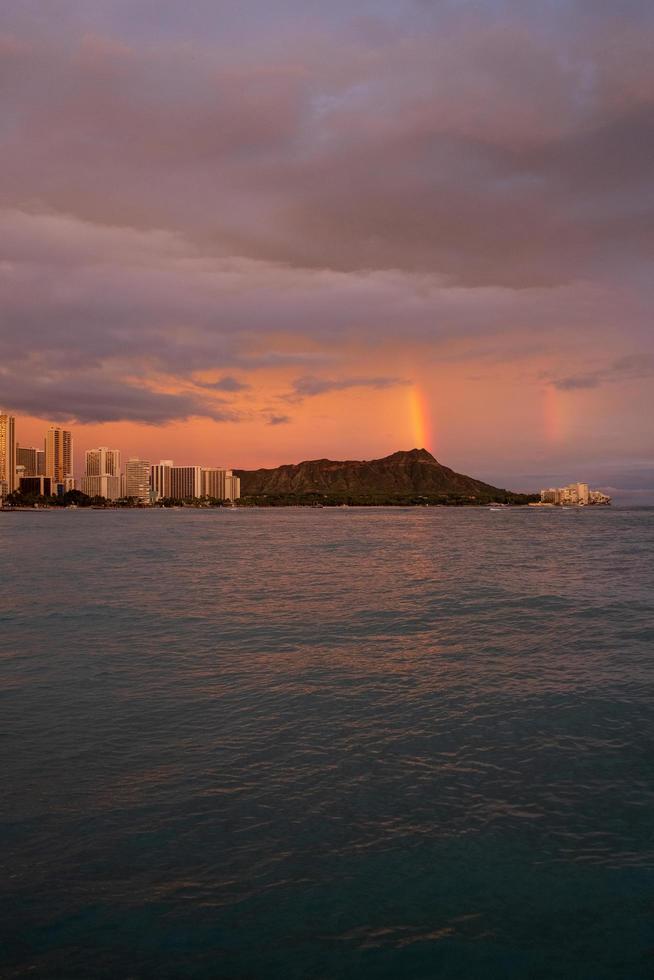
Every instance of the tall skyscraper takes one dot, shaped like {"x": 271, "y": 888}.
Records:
{"x": 102, "y": 473}
{"x": 137, "y": 479}
{"x": 59, "y": 455}
{"x": 7, "y": 454}
{"x": 160, "y": 478}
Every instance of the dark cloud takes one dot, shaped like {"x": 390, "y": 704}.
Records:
{"x": 579, "y": 381}
{"x": 633, "y": 367}
{"x": 225, "y": 384}
{"x": 279, "y": 420}
{"x": 490, "y": 146}
{"x": 309, "y": 385}
{"x": 102, "y": 398}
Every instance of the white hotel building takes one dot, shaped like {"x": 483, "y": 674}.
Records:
{"x": 574, "y": 495}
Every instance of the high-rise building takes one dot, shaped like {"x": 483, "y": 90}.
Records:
{"x": 185, "y": 482}
{"x": 36, "y": 486}
{"x": 137, "y": 479}
{"x": 102, "y": 485}
{"x": 575, "y": 494}
{"x": 160, "y": 479}
{"x": 232, "y": 486}
{"x": 220, "y": 484}
{"x": 583, "y": 493}
{"x": 102, "y": 462}
{"x": 59, "y": 455}
{"x": 102, "y": 473}
{"x": 213, "y": 483}
{"x": 7, "y": 454}
{"x": 30, "y": 458}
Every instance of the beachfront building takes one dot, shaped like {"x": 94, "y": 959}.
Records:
{"x": 102, "y": 473}
{"x": 102, "y": 485}
{"x": 137, "y": 480}
{"x": 232, "y": 486}
{"x": 213, "y": 482}
{"x": 7, "y": 454}
{"x": 160, "y": 479}
{"x": 574, "y": 494}
{"x": 102, "y": 461}
{"x": 37, "y": 486}
{"x": 192, "y": 482}
{"x": 31, "y": 459}
{"x": 185, "y": 482}
{"x": 59, "y": 456}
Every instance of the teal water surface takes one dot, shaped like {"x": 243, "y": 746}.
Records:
{"x": 327, "y": 744}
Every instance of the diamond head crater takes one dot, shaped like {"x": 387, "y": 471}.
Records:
{"x": 405, "y": 478}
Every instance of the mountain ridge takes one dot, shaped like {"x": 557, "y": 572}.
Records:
{"x": 403, "y": 474}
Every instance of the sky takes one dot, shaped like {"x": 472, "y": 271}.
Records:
{"x": 249, "y": 234}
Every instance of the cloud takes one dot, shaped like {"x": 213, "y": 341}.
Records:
{"x": 633, "y": 367}
{"x": 104, "y": 398}
{"x": 225, "y": 384}
{"x": 579, "y": 381}
{"x": 122, "y": 303}
{"x": 260, "y": 191}
{"x": 279, "y": 420}
{"x": 309, "y": 385}
{"x": 490, "y": 146}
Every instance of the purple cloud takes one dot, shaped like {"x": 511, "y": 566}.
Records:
{"x": 307, "y": 386}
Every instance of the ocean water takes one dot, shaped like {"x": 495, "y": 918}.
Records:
{"x": 348, "y": 743}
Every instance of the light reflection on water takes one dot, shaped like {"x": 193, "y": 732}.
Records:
{"x": 334, "y": 743}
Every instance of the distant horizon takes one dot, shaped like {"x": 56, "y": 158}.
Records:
{"x": 624, "y": 495}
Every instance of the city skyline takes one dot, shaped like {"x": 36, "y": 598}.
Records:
{"x": 55, "y": 455}
{"x": 50, "y": 471}
{"x": 148, "y": 481}
{"x": 334, "y": 232}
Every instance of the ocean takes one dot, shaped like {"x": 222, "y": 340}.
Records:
{"x": 332, "y": 743}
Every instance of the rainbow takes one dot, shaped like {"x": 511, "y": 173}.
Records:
{"x": 552, "y": 415}
{"x": 420, "y": 419}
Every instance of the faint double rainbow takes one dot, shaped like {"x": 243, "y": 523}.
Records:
{"x": 420, "y": 417}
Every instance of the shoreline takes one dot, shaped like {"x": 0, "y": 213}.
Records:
{"x": 389, "y": 506}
